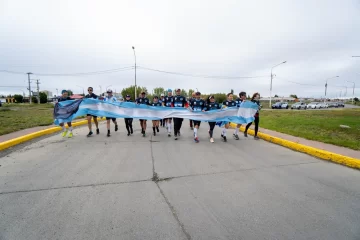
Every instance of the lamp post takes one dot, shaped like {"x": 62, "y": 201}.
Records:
{"x": 353, "y": 91}
{"x": 271, "y": 77}
{"x": 326, "y": 84}
{"x": 135, "y": 70}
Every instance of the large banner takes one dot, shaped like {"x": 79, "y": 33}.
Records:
{"x": 68, "y": 110}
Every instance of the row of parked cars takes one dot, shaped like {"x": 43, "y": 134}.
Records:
{"x": 303, "y": 105}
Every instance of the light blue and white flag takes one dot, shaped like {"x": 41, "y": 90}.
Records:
{"x": 242, "y": 115}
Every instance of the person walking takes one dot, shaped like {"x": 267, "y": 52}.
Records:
{"x": 255, "y": 99}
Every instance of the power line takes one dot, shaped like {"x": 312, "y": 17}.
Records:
{"x": 73, "y": 74}
{"x": 193, "y": 75}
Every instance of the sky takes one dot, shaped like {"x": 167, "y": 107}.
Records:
{"x": 229, "y": 39}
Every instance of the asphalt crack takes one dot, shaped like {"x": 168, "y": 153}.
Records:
{"x": 156, "y": 180}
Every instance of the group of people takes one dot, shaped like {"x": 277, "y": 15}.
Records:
{"x": 195, "y": 103}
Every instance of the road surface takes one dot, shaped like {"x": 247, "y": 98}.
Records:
{"x": 158, "y": 188}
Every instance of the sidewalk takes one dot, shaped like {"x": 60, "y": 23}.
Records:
{"x": 323, "y": 146}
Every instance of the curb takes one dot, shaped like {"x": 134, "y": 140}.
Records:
{"x": 28, "y": 137}
{"x": 315, "y": 152}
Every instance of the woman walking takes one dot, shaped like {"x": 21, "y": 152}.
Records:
{"x": 255, "y": 99}
{"x": 212, "y": 105}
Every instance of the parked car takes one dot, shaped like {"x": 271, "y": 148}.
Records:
{"x": 314, "y": 105}
{"x": 341, "y": 104}
{"x": 299, "y": 105}
{"x": 285, "y": 105}
{"x": 323, "y": 105}
{"x": 276, "y": 105}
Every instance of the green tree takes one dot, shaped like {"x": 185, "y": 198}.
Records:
{"x": 276, "y": 95}
{"x": 293, "y": 96}
{"x": 183, "y": 93}
{"x": 191, "y": 92}
{"x": 34, "y": 99}
{"x": 43, "y": 97}
{"x": 131, "y": 91}
{"x": 70, "y": 92}
{"x": 159, "y": 90}
{"x": 356, "y": 100}
{"x": 18, "y": 98}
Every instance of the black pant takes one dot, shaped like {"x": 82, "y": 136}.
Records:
{"x": 191, "y": 123}
{"x": 212, "y": 126}
{"x": 177, "y": 125}
{"x": 128, "y": 124}
{"x": 256, "y": 121}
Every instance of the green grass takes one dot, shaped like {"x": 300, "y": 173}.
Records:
{"x": 15, "y": 117}
{"x": 318, "y": 125}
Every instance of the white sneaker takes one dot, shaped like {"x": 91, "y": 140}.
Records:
{"x": 211, "y": 140}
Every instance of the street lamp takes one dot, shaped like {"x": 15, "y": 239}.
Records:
{"x": 272, "y": 79}
{"x": 353, "y": 91}
{"x": 135, "y": 70}
{"x": 326, "y": 84}
{"x": 57, "y": 92}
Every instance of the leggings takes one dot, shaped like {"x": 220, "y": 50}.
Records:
{"x": 177, "y": 125}
{"x": 128, "y": 124}
{"x": 212, "y": 125}
{"x": 256, "y": 121}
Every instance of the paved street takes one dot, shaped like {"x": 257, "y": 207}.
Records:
{"x": 158, "y": 188}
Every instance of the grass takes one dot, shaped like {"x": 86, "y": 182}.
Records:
{"x": 318, "y": 125}
{"x": 15, "y": 117}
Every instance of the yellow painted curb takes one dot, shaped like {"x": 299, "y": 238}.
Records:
{"x": 325, "y": 155}
{"x": 25, "y": 138}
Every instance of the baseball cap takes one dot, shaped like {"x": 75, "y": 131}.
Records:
{"x": 127, "y": 95}
{"x": 169, "y": 90}
{"x": 197, "y": 93}
{"x": 109, "y": 91}
{"x": 178, "y": 89}
{"x": 63, "y": 91}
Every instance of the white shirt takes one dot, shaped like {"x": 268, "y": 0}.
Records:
{"x": 110, "y": 99}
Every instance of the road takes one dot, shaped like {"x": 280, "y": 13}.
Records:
{"x": 158, "y": 188}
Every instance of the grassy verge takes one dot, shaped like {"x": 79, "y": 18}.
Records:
{"x": 318, "y": 125}
{"x": 15, "y": 117}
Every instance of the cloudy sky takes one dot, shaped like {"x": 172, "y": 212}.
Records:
{"x": 230, "y": 39}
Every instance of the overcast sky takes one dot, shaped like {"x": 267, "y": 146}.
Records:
{"x": 204, "y": 37}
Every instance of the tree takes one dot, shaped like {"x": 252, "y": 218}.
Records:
{"x": 131, "y": 91}
{"x": 356, "y": 100}
{"x": 43, "y": 97}
{"x": 191, "y": 91}
{"x": 276, "y": 95}
{"x": 248, "y": 97}
{"x": 159, "y": 90}
{"x": 293, "y": 96}
{"x": 18, "y": 98}
{"x": 70, "y": 93}
{"x": 34, "y": 99}
{"x": 183, "y": 93}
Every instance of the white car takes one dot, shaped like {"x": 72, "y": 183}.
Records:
{"x": 323, "y": 105}
{"x": 314, "y": 105}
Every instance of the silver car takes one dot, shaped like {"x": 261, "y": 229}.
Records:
{"x": 299, "y": 105}
{"x": 314, "y": 105}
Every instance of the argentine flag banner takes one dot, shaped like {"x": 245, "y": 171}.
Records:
{"x": 68, "y": 110}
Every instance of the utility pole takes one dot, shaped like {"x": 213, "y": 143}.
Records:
{"x": 271, "y": 79}
{"x": 135, "y": 72}
{"x": 29, "y": 86}
{"x": 38, "y": 93}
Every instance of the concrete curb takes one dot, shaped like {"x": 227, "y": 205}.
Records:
{"x": 28, "y": 137}
{"x": 322, "y": 154}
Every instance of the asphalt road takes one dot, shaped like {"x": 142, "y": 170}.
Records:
{"x": 158, "y": 188}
